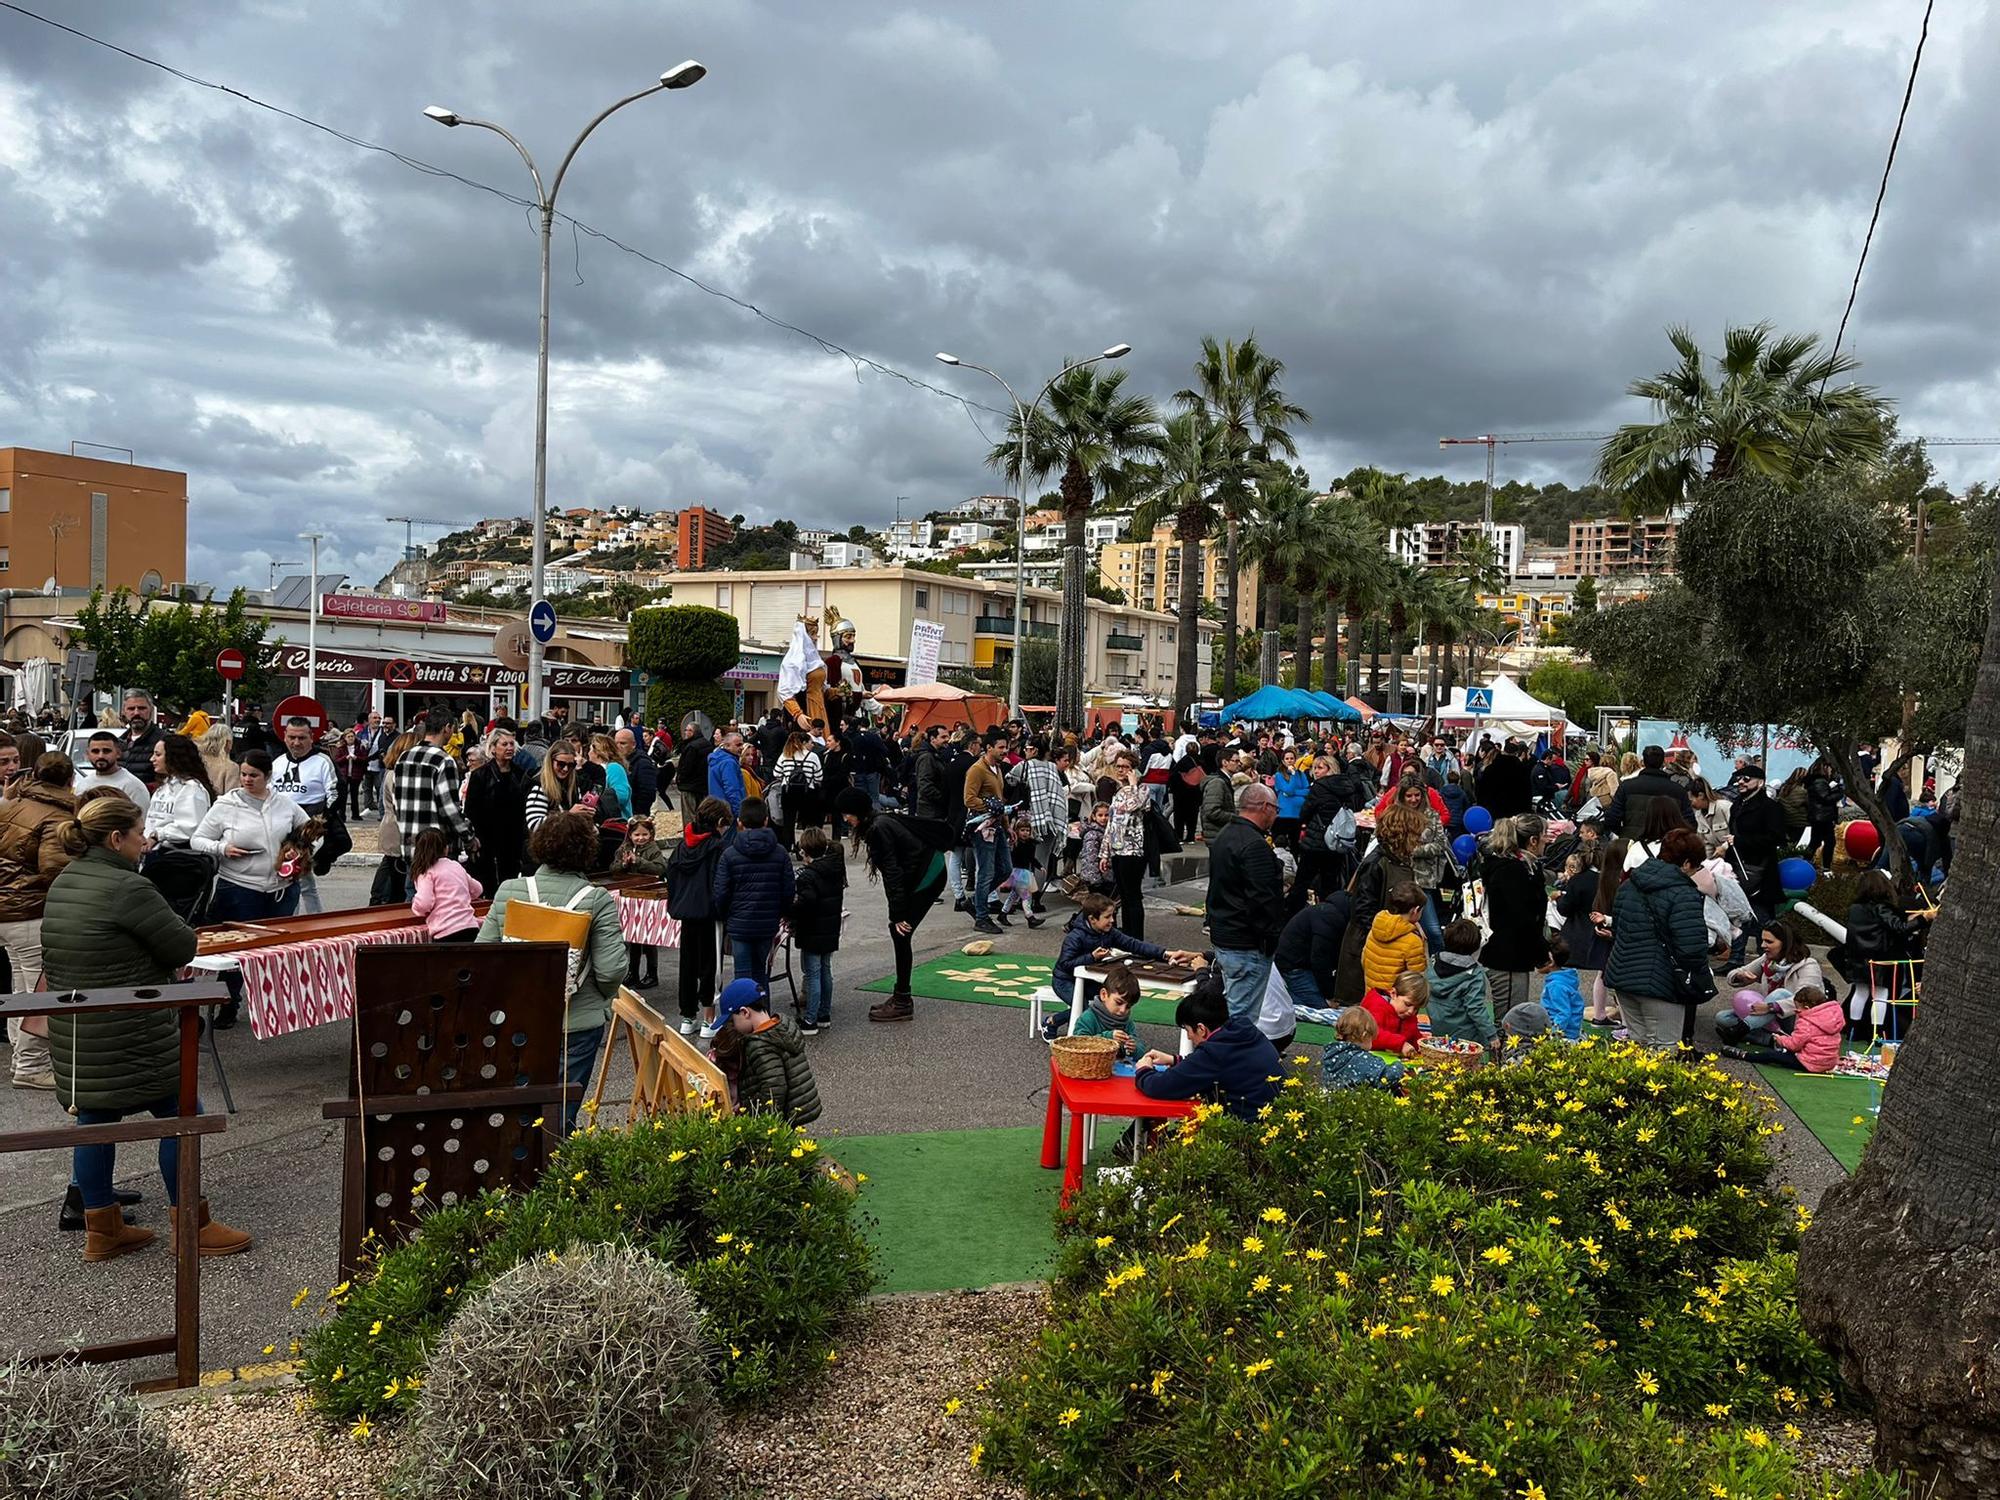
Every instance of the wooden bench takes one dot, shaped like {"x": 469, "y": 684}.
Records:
{"x": 669, "y": 1074}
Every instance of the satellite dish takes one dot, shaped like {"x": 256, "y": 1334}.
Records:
{"x": 150, "y": 584}
{"x": 49, "y": 586}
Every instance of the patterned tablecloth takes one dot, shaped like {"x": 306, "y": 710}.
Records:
{"x": 296, "y": 985}
{"x": 648, "y": 921}
{"x": 289, "y": 988}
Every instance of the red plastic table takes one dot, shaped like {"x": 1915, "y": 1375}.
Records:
{"x": 1096, "y": 1096}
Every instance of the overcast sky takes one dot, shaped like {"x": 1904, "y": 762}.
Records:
{"x": 1445, "y": 217}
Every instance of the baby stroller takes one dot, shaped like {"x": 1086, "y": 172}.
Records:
{"x": 187, "y": 879}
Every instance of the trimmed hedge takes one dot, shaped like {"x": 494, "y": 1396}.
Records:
{"x": 687, "y": 642}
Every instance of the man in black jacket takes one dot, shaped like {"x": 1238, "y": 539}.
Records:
{"x": 691, "y": 770}
{"x": 1246, "y": 899}
{"x": 1632, "y": 805}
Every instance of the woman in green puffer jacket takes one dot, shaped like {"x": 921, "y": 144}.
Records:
{"x": 105, "y": 926}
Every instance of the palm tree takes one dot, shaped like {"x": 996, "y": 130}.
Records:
{"x": 1405, "y": 603}
{"x": 1179, "y": 484}
{"x": 1237, "y": 384}
{"x": 1454, "y": 612}
{"x": 1282, "y": 539}
{"x": 1353, "y": 559}
{"x": 1771, "y": 409}
{"x": 1087, "y": 431}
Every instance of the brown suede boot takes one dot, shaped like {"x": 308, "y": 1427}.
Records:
{"x": 896, "y": 1008}
{"x": 216, "y": 1238}
{"x": 107, "y": 1235}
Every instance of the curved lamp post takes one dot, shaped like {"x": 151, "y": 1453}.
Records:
{"x": 1022, "y": 417}
{"x": 685, "y": 75}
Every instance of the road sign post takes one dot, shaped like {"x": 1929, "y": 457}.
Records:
{"x": 1479, "y": 700}
{"x": 542, "y": 620}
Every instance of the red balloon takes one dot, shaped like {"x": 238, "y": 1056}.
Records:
{"x": 1863, "y": 841}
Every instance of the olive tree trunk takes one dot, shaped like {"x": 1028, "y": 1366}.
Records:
{"x": 1899, "y": 1276}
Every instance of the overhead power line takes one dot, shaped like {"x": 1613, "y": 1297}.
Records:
{"x": 1881, "y": 191}
{"x": 431, "y": 169}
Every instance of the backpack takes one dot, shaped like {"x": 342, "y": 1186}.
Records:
{"x": 532, "y": 921}
{"x": 1340, "y": 832}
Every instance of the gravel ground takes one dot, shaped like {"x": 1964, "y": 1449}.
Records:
{"x": 1835, "y": 1443}
{"x": 874, "y": 1429}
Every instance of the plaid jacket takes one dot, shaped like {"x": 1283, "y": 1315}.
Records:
{"x": 424, "y": 788}
{"x": 1048, "y": 797}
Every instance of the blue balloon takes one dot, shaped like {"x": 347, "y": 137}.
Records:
{"x": 1797, "y": 874}
{"x": 1464, "y": 846}
{"x": 1478, "y": 819}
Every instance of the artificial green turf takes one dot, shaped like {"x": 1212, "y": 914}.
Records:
{"x": 1828, "y": 1105}
{"x": 948, "y": 1209}
{"x": 1009, "y": 979}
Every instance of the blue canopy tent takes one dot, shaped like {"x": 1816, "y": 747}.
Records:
{"x": 1273, "y": 702}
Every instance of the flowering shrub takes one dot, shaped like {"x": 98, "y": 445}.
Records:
{"x": 738, "y": 1205}
{"x": 1508, "y": 1284}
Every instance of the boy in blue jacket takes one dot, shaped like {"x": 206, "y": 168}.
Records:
{"x": 754, "y": 887}
{"x": 1091, "y": 937}
{"x": 1232, "y": 1063}
{"x": 1561, "y": 995}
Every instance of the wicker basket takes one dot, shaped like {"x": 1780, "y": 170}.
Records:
{"x": 1440, "y": 1053}
{"x": 1085, "y": 1057}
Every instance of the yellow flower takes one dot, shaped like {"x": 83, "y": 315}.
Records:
{"x": 360, "y": 1430}
{"x": 833, "y": 1356}
{"x": 341, "y": 1290}
{"x": 674, "y": 1156}
{"x": 978, "y": 1452}
{"x": 1500, "y": 1255}
{"x": 1258, "y": 1368}
{"x": 1534, "y": 1492}
{"x": 1160, "y": 1379}
{"x": 1103, "y": 1240}
{"x": 1315, "y": 1254}
{"x": 1756, "y": 1437}
{"x": 1069, "y": 1417}
{"x": 1792, "y": 1432}
{"x": 1261, "y": 1284}
{"x": 951, "y": 1407}
{"x": 1717, "y": 1409}
{"x": 339, "y": 1374}
{"x": 300, "y": 1299}
{"x": 1252, "y": 1243}
{"x": 375, "y": 1328}
{"x": 389, "y": 1391}
{"x": 1274, "y": 1215}
{"x": 1443, "y": 1286}
{"x": 724, "y": 1238}
{"x": 577, "y": 1178}
{"x": 1646, "y": 1382}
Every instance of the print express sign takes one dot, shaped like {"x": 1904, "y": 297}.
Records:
{"x": 344, "y": 666}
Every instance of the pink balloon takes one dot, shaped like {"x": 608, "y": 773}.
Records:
{"x": 1745, "y": 999}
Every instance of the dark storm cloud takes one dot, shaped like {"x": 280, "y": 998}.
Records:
{"x": 1450, "y": 218}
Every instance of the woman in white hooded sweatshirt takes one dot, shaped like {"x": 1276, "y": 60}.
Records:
{"x": 243, "y": 831}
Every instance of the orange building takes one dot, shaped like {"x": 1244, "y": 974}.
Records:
{"x": 700, "y": 530}
{"x": 89, "y": 522}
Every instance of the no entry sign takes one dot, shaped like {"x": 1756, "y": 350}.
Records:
{"x": 300, "y": 707}
{"x": 230, "y": 663}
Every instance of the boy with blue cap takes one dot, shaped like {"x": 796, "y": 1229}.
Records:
{"x": 776, "y": 1075}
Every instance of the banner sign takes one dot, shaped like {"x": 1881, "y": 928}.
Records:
{"x": 346, "y": 666}
{"x": 585, "y": 682}
{"x": 926, "y": 641}
{"x": 380, "y": 607}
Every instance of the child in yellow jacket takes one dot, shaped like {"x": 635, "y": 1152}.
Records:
{"x": 1395, "y": 943}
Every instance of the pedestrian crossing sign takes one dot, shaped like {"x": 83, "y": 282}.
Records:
{"x": 1479, "y": 700}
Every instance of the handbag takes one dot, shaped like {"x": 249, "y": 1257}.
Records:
{"x": 1160, "y": 835}
{"x": 1691, "y": 980}
{"x": 534, "y": 921}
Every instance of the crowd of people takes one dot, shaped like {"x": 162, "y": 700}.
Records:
{"x": 1339, "y": 872}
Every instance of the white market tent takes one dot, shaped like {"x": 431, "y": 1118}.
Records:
{"x": 1514, "y": 712}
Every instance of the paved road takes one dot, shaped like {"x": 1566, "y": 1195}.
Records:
{"x": 276, "y": 1171}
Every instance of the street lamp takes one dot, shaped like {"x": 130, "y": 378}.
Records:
{"x": 312, "y": 615}
{"x": 1022, "y": 416}
{"x": 684, "y": 75}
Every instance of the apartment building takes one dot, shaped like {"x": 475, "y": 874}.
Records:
{"x": 90, "y": 523}
{"x": 1148, "y": 573}
{"x": 699, "y": 532}
{"x": 1436, "y": 544}
{"x": 1612, "y": 544}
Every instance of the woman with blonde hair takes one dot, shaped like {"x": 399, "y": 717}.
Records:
{"x": 106, "y": 926}
{"x": 213, "y": 742}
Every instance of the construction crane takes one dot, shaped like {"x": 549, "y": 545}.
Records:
{"x": 1491, "y": 440}
{"x": 410, "y": 523}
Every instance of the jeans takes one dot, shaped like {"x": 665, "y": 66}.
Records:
{"x": 752, "y": 958}
{"x": 954, "y": 872}
{"x": 1508, "y": 990}
{"x": 238, "y": 903}
{"x": 23, "y": 942}
{"x": 1428, "y": 917}
{"x": 816, "y": 986}
{"x": 1245, "y": 974}
{"x": 989, "y": 866}
{"x": 579, "y": 1062}
{"x": 871, "y": 783}
{"x": 1303, "y": 988}
{"x": 91, "y": 1165}
{"x": 307, "y": 889}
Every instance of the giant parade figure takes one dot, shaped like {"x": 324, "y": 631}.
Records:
{"x": 825, "y": 686}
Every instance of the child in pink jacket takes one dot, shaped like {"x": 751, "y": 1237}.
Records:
{"x": 1813, "y": 1043}
{"x": 445, "y": 892}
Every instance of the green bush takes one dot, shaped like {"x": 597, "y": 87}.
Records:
{"x": 767, "y": 1242}
{"x": 690, "y": 642}
{"x": 581, "y": 1375}
{"x": 73, "y": 1432}
{"x": 1509, "y": 1283}
{"x": 670, "y": 702}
